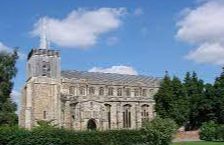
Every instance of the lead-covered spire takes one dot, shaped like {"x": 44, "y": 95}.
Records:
{"x": 44, "y": 42}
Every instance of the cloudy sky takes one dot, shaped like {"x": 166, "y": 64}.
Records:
{"x": 144, "y": 37}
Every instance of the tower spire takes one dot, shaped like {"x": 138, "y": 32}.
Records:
{"x": 44, "y": 42}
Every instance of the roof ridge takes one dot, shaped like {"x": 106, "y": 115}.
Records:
{"x": 81, "y": 71}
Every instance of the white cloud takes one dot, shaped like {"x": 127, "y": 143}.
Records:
{"x": 203, "y": 27}
{"x": 116, "y": 69}
{"x": 8, "y": 49}
{"x": 82, "y": 28}
{"x": 208, "y": 53}
{"x": 138, "y": 12}
{"x": 15, "y": 95}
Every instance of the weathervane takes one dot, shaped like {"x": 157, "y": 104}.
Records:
{"x": 44, "y": 42}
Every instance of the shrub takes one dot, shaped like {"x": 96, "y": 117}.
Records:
{"x": 8, "y": 134}
{"x": 160, "y": 131}
{"x": 210, "y": 131}
{"x": 157, "y": 132}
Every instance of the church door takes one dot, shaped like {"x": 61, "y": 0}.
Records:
{"x": 91, "y": 125}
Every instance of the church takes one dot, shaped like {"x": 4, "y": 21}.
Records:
{"x": 82, "y": 100}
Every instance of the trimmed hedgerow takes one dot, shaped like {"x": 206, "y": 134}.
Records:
{"x": 151, "y": 134}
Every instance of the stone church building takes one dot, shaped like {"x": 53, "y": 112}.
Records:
{"x": 82, "y": 100}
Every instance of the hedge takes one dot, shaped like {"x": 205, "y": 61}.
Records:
{"x": 151, "y": 134}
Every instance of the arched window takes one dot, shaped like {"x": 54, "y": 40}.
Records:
{"x": 127, "y": 116}
{"x": 101, "y": 91}
{"x": 119, "y": 92}
{"x": 82, "y": 91}
{"x": 145, "y": 113}
{"x": 136, "y": 92}
{"x": 91, "y": 90}
{"x": 108, "y": 113}
{"x": 111, "y": 91}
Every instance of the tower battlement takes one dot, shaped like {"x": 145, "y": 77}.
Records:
{"x": 43, "y": 52}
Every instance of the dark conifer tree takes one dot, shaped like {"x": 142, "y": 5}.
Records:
{"x": 179, "y": 106}
{"x": 219, "y": 98}
{"x": 163, "y": 98}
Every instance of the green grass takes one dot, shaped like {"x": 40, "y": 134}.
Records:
{"x": 199, "y": 143}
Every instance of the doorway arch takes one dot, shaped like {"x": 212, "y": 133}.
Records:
{"x": 91, "y": 124}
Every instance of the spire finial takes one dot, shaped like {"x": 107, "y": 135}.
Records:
{"x": 44, "y": 42}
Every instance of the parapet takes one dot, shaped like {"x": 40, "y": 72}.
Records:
{"x": 46, "y": 52}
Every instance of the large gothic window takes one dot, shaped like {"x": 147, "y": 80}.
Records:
{"x": 111, "y": 91}
{"x": 127, "y": 116}
{"x": 101, "y": 91}
{"x": 119, "y": 92}
{"x": 145, "y": 113}
{"x": 46, "y": 69}
{"x": 91, "y": 90}
{"x": 108, "y": 113}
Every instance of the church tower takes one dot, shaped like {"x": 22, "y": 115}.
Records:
{"x": 41, "y": 93}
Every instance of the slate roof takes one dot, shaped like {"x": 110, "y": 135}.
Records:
{"x": 112, "y": 79}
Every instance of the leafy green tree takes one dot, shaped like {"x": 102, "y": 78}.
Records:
{"x": 7, "y": 73}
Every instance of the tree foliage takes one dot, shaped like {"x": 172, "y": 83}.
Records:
{"x": 7, "y": 73}
{"x": 191, "y": 102}
{"x": 171, "y": 100}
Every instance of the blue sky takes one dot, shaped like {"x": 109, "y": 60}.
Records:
{"x": 146, "y": 37}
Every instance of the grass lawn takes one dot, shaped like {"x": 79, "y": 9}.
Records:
{"x": 199, "y": 143}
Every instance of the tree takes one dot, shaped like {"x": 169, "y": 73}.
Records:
{"x": 7, "y": 73}
{"x": 179, "y": 106}
{"x": 163, "y": 98}
{"x": 219, "y": 98}
{"x": 206, "y": 105}
{"x": 194, "y": 88}
{"x": 171, "y": 101}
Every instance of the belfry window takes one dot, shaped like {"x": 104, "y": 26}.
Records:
{"x": 119, "y": 92}
{"x": 145, "y": 113}
{"x": 111, "y": 91}
{"x": 101, "y": 91}
{"x": 108, "y": 113}
{"x": 46, "y": 69}
{"x": 91, "y": 90}
{"x": 127, "y": 116}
